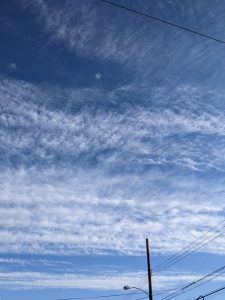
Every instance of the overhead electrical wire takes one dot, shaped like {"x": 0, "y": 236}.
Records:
{"x": 140, "y": 284}
{"x": 200, "y": 284}
{"x": 188, "y": 246}
{"x": 211, "y": 293}
{"x": 191, "y": 248}
{"x": 157, "y": 293}
{"x": 94, "y": 297}
{"x": 165, "y": 291}
{"x": 165, "y": 22}
{"x": 112, "y": 295}
{"x": 104, "y": 296}
{"x": 220, "y": 290}
{"x": 142, "y": 298}
{"x": 193, "y": 285}
{"x": 189, "y": 253}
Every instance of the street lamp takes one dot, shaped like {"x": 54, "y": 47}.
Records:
{"x": 127, "y": 287}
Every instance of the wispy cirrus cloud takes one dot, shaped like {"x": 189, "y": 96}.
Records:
{"x": 68, "y": 212}
{"x": 36, "y": 133}
{"x": 79, "y": 28}
{"x": 90, "y": 170}
{"x": 41, "y": 280}
{"x": 36, "y": 280}
{"x": 133, "y": 42}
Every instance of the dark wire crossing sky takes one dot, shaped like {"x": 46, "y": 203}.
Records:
{"x": 164, "y": 21}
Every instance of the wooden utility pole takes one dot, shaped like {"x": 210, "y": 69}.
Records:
{"x": 149, "y": 272}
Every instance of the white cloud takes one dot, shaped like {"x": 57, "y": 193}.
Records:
{"x": 65, "y": 212}
{"x": 190, "y": 134}
{"x": 55, "y": 188}
{"x": 84, "y": 30}
{"x": 110, "y": 34}
{"x": 98, "y": 76}
{"x": 36, "y": 280}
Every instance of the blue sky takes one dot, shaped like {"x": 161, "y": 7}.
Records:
{"x": 112, "y": 130}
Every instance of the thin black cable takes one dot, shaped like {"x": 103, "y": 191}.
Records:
{"x": 202, "y": 283}
{"x": 142, "y": 298}
{"x": 113, "y": 295}
{"x": 140, "y": 284}
{"x": 186, "y": 247}
{"x": 165, "y": 22}
{"x": 188, "y": 252}
{"x": 211, "y": 293}
{"x": 164, "y": 291}
{"x": 95, "y": 297}
{"x": 158, "y": 293}
{"x": 154, "y": 294}
{"x": 215, "y": 294}
{"x": 210, "y": 279}
{"x": 183, "y": 290}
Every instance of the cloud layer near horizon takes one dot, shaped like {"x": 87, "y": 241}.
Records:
{"x": 36, "y": 280}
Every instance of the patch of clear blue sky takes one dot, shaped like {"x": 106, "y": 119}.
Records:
{"x": 163, "y": 57}
{"x": 38, "y": 59}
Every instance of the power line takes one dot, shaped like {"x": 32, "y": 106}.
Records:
{"x": 95, "y": 297}
{"x": 189, "y": 253}
{"x": 211, "y": 293}
{"x": 200, "y": 284}
{"x": 164, "y": 291}
{"x": 113, "y": 295}
{"x": 140, "y": 284}
{"x": 158, "y": 293}
{"x": 190, "y": 286}
{"x": 210, "y": 279}
{"x": 142, "y": 298}
{"x": 214, "y": 292}
{"x": 188, "y": 246}
{"x": 165, "y": 22}
{"x": 194, "y": 247}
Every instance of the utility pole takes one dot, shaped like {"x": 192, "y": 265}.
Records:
{"x": 149, "y": 271}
